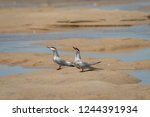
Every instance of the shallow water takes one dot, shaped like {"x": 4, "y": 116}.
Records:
{"x": 23, "y": 43}
{"x": 141, "y": 31}
{"x": 132, "y": 6}
{"x": 12, "y": 70}
{"x": 143, "y": 75}
{"x": 138, "y": 55}
{"x": 136, "y": 6}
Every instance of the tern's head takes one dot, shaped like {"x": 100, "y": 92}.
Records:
{"x": 76, "y": 49}
{"x": 52, "y": 48}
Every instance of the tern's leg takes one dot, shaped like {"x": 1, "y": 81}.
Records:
{"x": 82, "y": 70}
{"x": 59, "y": 68}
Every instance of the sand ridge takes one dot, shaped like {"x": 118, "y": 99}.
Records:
{"x": 49, "y": 19}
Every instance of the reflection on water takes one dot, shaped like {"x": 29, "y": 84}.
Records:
{"x": 143, "y": 75}
{"x": 11, "y": 70}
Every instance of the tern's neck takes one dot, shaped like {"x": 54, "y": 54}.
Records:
{"x": 77, "y": 57}
{"x": 55, "y": 53}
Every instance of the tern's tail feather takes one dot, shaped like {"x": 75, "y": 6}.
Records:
{"x": 94, "y": 63}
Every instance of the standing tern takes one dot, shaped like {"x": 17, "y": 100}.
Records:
{"x": 78, "y": 63}
{"x": 58, "y": 60}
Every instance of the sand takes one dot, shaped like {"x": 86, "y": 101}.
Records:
{"x": 44, "y": 60}
{"x": 110, "y": 79}
{"x": 100, "y": 45}
{"x": 48, "y": 19}
{"x": 69, "y": 83}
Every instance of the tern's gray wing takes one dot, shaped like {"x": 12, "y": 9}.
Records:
{"x": 82, "y": 64}
{"x": 86, "y": 64}
{"x": 64, "y": 63}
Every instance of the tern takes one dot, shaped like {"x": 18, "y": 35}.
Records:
{"x": 58, "y": 60}
{"x": 78, "y": 63}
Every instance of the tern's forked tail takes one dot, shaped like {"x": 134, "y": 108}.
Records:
{"x": 94, "y": 63}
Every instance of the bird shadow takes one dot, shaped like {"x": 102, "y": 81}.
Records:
{"x": 92, "y": 69}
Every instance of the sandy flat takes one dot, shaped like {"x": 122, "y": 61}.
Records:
{"x": 48, "y": 19}
{"x": 44, "y": 60}
{"x": 100, "y": 45}
{"x": 106, "y": 82}
{"x": 69, "y": 83}
{"x": 110, "y": 79}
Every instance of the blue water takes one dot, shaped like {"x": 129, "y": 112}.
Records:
{"x": 21, "y": 46}
{"x": 12, "y": 70}
{"x": 131, "y": 6}
{"x": 143, "y": 75}
{"x": 138, "y": 55}
{"x": 136, "y": 6}
{"x": 141, "y": 31}
{"x": 23, "y": 42}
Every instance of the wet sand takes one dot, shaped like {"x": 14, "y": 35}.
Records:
{"x": 48, "y": 19}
